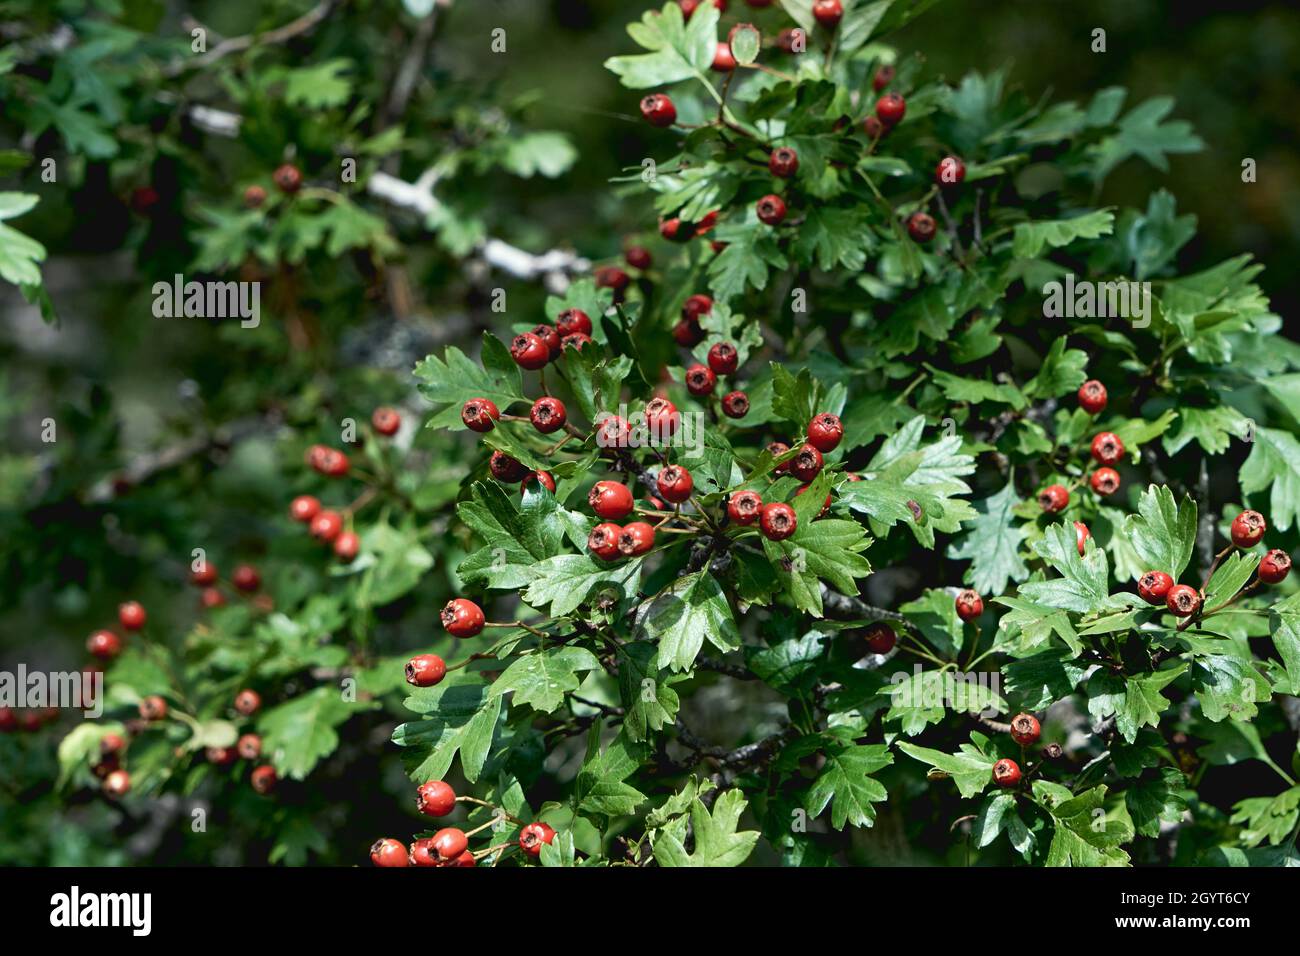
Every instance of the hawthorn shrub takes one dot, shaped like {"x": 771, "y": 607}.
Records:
{"x": 884, "y": 448}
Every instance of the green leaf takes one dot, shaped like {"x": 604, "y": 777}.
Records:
{"x": 1156, "y": 799}
{"x": 1163, "y": 532}
{"x": 845, "y": 783}
{"x": 1284, "y": 626}
{"x": 746, "y": 42}
{"x": 1230, "y": 577}
{"x": 1274, "y": 465}
{"x": 679, "y": 50}
{"x": 301, "y": 732}
{"x": 992, "y": 544}
{"x": 1083, "y": 836}
{"x": 998, "y": 815}
{"x": 694, "y": 608}
{"x": 566, "y": 580}
{"x": 1031, "y": 238}
{"x": 462, "y": 719}
{"x": 649, "y": 701}
{"x": 1062, "y": 371}
{"x": 717, "y": 842}
{"x": 543, "y": 678}
{"x": 456, "y": 379}
{"x": 1142, "y": 133}
{"x": 544, "y": 153}
{"x": 828, "y": 549}
{"x": 318, "y": 86}
{"x": 1211, "y": 428}
{"x": 970, "y": 769}
{"x": 600, "y": 787}
{"x": 1083, "y": 585}
{"x": 1271, "y": 819}
{"x": 1133, "y": 701}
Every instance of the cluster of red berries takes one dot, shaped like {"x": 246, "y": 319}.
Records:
{"x": 27, "y": 719}
{"x": 1025, "y": 730}
{"x": 449, "y": 846}
{"x": 246, "y": 579}
{"x": 105, "y": 644}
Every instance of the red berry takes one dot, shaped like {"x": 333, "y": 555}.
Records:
{"x": 696, "y": 306}
{"x": 687, "y": 333}
{"x": 542, "y": 478}
{"x": 422, "y": 853}
{"x": 131, "y": 615}
{"x": 1107, "y": 448}
{"x": 950, "y": 171}
{"x": 221, "y": 756}
{"x": 246, "y": 578}
{"x": 674, "y": 483}
{"x": 636, "y": 539}
{"x": 611, "y": 500}
{"x": 533, "y": 836}
{"x": 449, "y": 843}
{"x": 792, "y": 40}
{"x": 825, "y": 432}
{"x": 548, "y": 415}
{"x": 1025, "y": 729}
{"x": 388, "y": 852}
{"x": 807, "y": 463}
{"x": 287, "y": 178}
{"x": 890, "y": 108}
{"x": 771, "y": 209}
{"x": 884, "y": 76}
{"x": 783, "y": 162}
{"x": 700, "y": 380}
{"x": 1081, "y": 534}
{"x": 735, "y": 404}
{"x": 658, "y": 110}
{"x": 1092, "y": 396}
{"x": 8, "y": 720}
{"x": 572, "y": 321}
{"x": 612, "y": 431}
{"x": 674, "y": 230}
{"x": 462, "y": 617}
{"x": 576, "y": 341}
{"x": 874, "y": 128}
{"x": 723, "y": 358}
{"x": 744, "y": 506}
{"x": 211, "y": 597}
{"x": 1006, "y": 773}
{"x": 881, "y": 638}
{"x": 425, "y": 670}
{"x": 1153, "y": 587}
{"x": 328, "y": 461}
{"x": 504, "y": 468}
{"x": 206, "y": 573}
{"x": 104, "y": 644}
{"x": 386, "y": 420}
{"x": 153, "y": 708}
{"x": 1274, "y": 566}
{"x": 707, "y": 222}
{"x": 1183, "y": 600}
{"x": 346, "y": 546}
{"x": 249, "y": 746}
{"x": 549, "y": 335}
{"x": 603, "y": 540}
{"x": 117, "y": 784}
{"x": 638, "y": 257}
{"x": 969, "y": 605}
{"x": 248, "y": 702}
{"x": 777, "y": 521}
{"x": 303, "y": 508}
{"x": 529, "y": 351}
{"x": 326, "y": 525}
{"x": 776, "y": 449}
{"x": 254, "y": 196}
{"x": 612, "y": 277}
{"x": 1053, "y": 498}
{"x": 465, "y": 859}
{"x": 1247, "y": 529}
{"x": 1104, "y": 481}
{"x": 111, "y": 746}
{"x": 828, "y": 13}
{"x": 435, "y": 798}
{"x": 724, "y": 61}
{"x": 662, "y": 418}
{"x": 921, "y": 226}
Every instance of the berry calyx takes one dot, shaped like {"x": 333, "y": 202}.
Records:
{"x": 777, "y": 521}
{"x": 573, "y": 321}
{"x": 770, "y": 209}
{"x": 542, "y": 478}
{"x": 507, "y": 469}
{"x": 1153, "y": 587}
{"x": 435, "y": 798}
{"x": 724, "y": 61}
{"x": 249, "y": 747}
{"x": 131, "y": 615}
{"x": 104, "y": 645}
{"x": 744, "y": 506}
{"x": 921, "y": 226}
{"x": 386, "y": 421}
{"x": 1104, "y": 481}
{"x": 807, "y": 463}
{"x": 700, "y": 380}
{"x": 662, "y": 418}
{"x": 117, "y": 784}
{"x": 1053, "y": 498}
{"x": 326, "y": 525}
{"x": 153, "y": 708}
{"x": 287, "y": 178}
{"x": 1183, "y": 600}
{"x": 783, "y": 162}
{"x": 1081, "y": 534}
{"x": 1247, "y": 529}
{"x": 828, "y": 13}
{"x": 389, "y": 852}
{"x": 674, "y": 483}
{"x": 548, "y": 414}
{"x": 969, "y": 605}
{"x": 891, "y": 108}
{"x": 529, "y": 351}
{"x": 303, "y": 508}
{"x": 880, "y": 637}
{"x": 246, "y": 578}
{"x": 1092, "y": 396}
{"x": 603, "y": 540}
{"x": 1107, "y": 448}
{"x": 1274, "y": 566}
{"x": 723, "y": 358}
{"x": 1006, "y": 773}
{"x": 449, "y": 843}
{"x": 825, "y": 432}
{"x": 950, "y": 171}
{"x": 346, "y": 546}
{"x": 611, "y": 500}
{"x": 425, "y": 670}
{"x": 735, "y": 405}
{"x": 461, "y": 617}
{"x": 248, "y": 702}
{"x": 658, "y": 110}
{"x": 1025, "y": 729}
{"x": 533, "y": 836}
{"x": 636, "y": 539}
{"x": 883, "y": 77}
